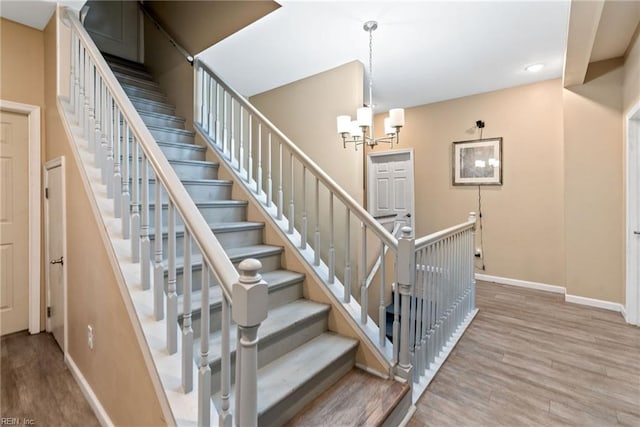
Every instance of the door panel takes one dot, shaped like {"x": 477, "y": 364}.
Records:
{"x": 56, "y": 251}
{"x": 14, "y": 223}
{"x": 114, "y": 27}
{"x": 391, "y": 188}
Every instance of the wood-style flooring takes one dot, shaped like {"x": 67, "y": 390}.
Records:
{"x": 36, "y": 385}
{"x": 529, "y": 358}
{"x": 357, "y": 399}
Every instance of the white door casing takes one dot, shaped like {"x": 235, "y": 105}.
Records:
{"x": 55, "y": 250}
{"x": 115, "y": 27}
{"x": 33, "y": 195}
{"x": 632, "y": 309}
{"x": 14, "y": 223}
{"x": 390, "y": 187}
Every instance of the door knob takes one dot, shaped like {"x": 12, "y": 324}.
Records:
{"x": 57, "y": 261}
{"x": 636, "y": 233}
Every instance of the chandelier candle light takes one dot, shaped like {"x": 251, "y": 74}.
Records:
{"x": 360, "y": 131}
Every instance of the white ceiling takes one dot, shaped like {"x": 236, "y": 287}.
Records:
{"x": 32, "y": 13}
{"x": 424, "y": 51}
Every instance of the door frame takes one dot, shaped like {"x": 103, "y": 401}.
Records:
{"x": 33, "y": 117}
{"x": 632, "y": 125}
{"x": 371, "y": 156}
{"x": 58, "y": 162}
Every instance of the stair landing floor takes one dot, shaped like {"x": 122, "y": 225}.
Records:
{"x": 357, "y": 399}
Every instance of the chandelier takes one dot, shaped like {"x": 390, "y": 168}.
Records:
{"x": 361, "y": 131}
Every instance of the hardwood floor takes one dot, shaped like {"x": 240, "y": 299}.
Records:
{"x": 357, "y": 399}
{"x": 529, "y": 358}
{"x": 35, "y": 384}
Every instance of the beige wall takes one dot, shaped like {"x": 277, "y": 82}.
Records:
{"x": 116, "y": 363}
{"x": 593, "y": 143}
{"x": 22, "y": 80}
{"x": 523, "y": 218}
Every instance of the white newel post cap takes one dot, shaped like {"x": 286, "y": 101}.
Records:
{"x": 250, "y": 295}
{"x": 472, "y": 217}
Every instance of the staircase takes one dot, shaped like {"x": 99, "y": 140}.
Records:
{"x": 298, "y": 357}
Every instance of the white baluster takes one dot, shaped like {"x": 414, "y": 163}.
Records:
{"x": 259, "y": 171}
{"x": 347, "y": 258}
{"x": 145, "y": 243}
{"x": 72, "y": 71}
{"x": 204, "y": 371}
{"x": 305, "y": 217}
{"x": 135, "y": 198}
{"x": 118, "y": 145}
{"x": 90, "y": 122}
{"x": 316, "y": 241}
{"x": 250, "y": 148}
{"x": 187, "y": 330}
{"x": 250, "y": 303}
{"x": 124, "y": 136}
{"x": 225, "y": 130}
{"x": 101, "y": 94}
{"x": 225, "y": 365}
{"x": 199, "y": 99}
{"x": 242, "y": 141}
{"x": 269, "y": 166}
{"x": 216, "y": 131}
{"x": 158, "y": 271}
{"x": 364, "y": 295}
{"x": 292, "y": 189}
{"x": 280, "y": 190}
{"x": 417, "y": 344}
{"x": 332, "y": 248}
{"x": 172, "y": 296}
{"x": 232, "y": 142}
{"x": 382, "y": 313}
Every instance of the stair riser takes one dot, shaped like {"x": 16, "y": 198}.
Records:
{"x": 200, "y": 192}
{"x": 211, "y": 214}
{"x": 232, "y": 239}
{"x": 129, "y": 71}
{"x": 195, "y": 171}
{"x": 168, "y": 136}
{"x": 171, "y": 152}
{"x": 298, "y": 399}
{"x": 277, "y": 346}
{"x": 143, "y": 93}
{"x": 153, "y": 108}
{"x": 133, "y": 81}
{"x": 277, "y": 298}
{"x": 169, "y": 121}
{"x": 269, "y": 263}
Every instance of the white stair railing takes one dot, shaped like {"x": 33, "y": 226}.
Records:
{"x": 277, "y": 174}
{"x": 128, "y": 156}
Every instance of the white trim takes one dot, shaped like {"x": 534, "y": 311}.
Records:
{"x": 632, "y": 147}
{"x": 408, "y": 416}
{"x": 521, "y": 283}
{"x": 86, "y": 389}
{"x": 411, "y": 174}
{"x": 51, "y": 164}
{"x": 591, "y": 302}
{"x": 33, "y": 116}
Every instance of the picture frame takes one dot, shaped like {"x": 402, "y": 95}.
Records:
{"x": 477, "y": 162}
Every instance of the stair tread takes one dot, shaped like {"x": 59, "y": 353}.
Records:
{"x": 183, "y": 145}
{"x": 114, "y": 59}
{"x": 134, "y": 98}
{"x": 279, "y": 319}
{"x": 196, "y": 181}
{"x": 157, "y": 92}
{"x": 161, "y": 116}
{"x": 216, "y": 227}
{"x": 275, "y": 279}
{"x": 172, "y": 130}
{"x": 285, "y": 375}
{"x": 375, "y": 398}
{"x": 234, "y": 254}
{"x": 196, "y": 162}
{"x": 211, "y": 203}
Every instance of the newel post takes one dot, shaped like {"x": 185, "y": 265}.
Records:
{"x": 406, "y": 280}
{"x": 250, "y": 304}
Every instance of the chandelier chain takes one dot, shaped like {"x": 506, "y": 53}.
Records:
{"x": 371, "y": 68}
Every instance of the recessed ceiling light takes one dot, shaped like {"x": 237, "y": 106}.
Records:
{"x": 534, "y": 68}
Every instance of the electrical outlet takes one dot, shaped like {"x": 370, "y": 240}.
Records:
{"x": 90, "y": 336}
{"x": 478, "y": 252}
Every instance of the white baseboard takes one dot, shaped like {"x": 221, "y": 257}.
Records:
{"x": 574, "y": 299}
{"x": 521, "y": 283}
{"x": 591, "y": 302}
{"x": 95, "y": 404}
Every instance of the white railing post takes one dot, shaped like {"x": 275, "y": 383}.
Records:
{"x": 145, "y": 243}
{"x": 250, "y": 304}
{"x": 135, "y": 199}
{"x": 127, "y": 183}
{"x": 472, "y": 305}
{"x": 204, "y": 371}
{"x": 364, "y": 294}
{"x": 172, "y": 296}
{"x": 406, "y": 279}
{"x": 158, "y": 270}
{"x": 347, "y": 260}
{"x": 382, "y": 309}
{"x": 187, "y": 330}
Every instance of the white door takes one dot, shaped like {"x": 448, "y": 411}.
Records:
{"x": 55, "y": 249}
{"x": 633, "y": 218}
{"x": 390, "y": 193}
{"x": 14, "y": 222}
{"x": 115, "y": 27}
